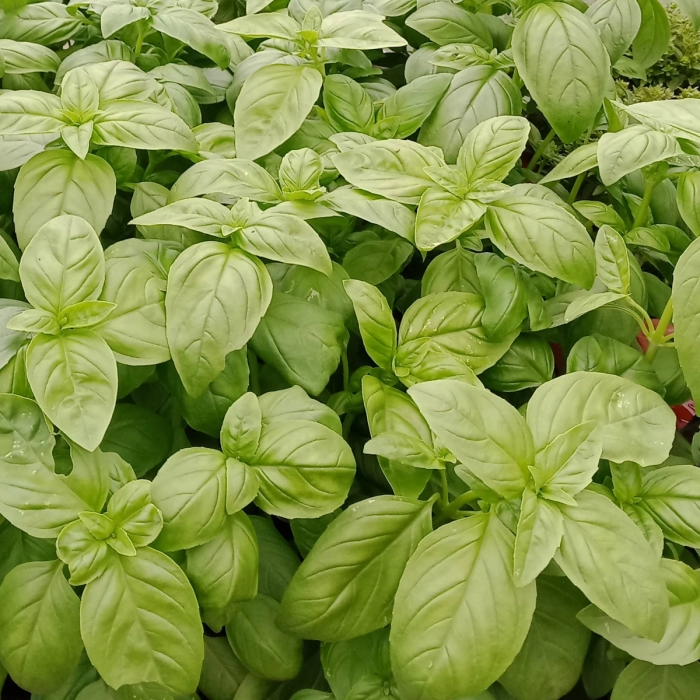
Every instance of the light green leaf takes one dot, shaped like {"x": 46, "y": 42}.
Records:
{"x": 688, "y": 200}
{"x": 543, "y": 237}
{"x": 442, "y": 217}
{"x": 62, "y": 265}
{"x": 569, "y": 79}
{"x": 348, "y": 106}
{"x": 202, "y": 215}
{"x": 74, "y": 379}
{"x": 25, "y": 57}
{"x": 301, "y": 340}
{"x": 484, "y": 432}
{"x": 140, "y": 623}
{"x": 457, "y": 588}
{"x": 680, "y": 644}
{"x": 277, "y": 25}
{"x": 357, "y": 29}
{"x": 242, "y": 485}
{"x": 42, "y": 23}
{"x": 135, "y": 124}
{"x": 636, "y": 424}
{"x": 449, "y": 324}
{"x": 671, "y": 496}
{"x": 393, "y": 169}
{"x": 643, "y": 680}
{"x": 118, "y": 16}
{"x": 194, "y": 30}
{"x": 272, "y": 105}
{"x": 618, "y": 22}
{"x": 578, "y": 161}
{"x": 136, "y": 273}
{"x": 305, "y": 469}
{"x": 677, "y": 118}
{"x": 190, "y": 491}
{"x": 447, "y": 23}
{"x": 587, "y": 302}
{"x": 285, "y": 238}
{"x": 377, "y": 325}
{"x": 345, "y": 587}
{"x": 25, "y": 438}
{"x": 403, "y": 448}
{"x": 206, "y": 319}
{"x": 257, "y": 640}
{"x": 413, "y": 103}
{"x": 240, "y": 432}
{"x": 492, "y": 149}
{"x": 474, "y": 95}
{"x": 612, "y": 260}
{"x": 40, "y": 642}
{"x": 453, "y": 271}
{"x": 29, "y": 112}
{"x": 686, "y": 315}
{"x": 235, "y": 177}
{"x": 391, "y": 410}
{"x": 390, "y": 215}
{"x": 623, "y": 152}
{"x": 57, "y": 182}
{"x": 606, "y": 555}
{"x": 225, "y": 569}
{"x": 538, "y": 536}
{"x": 652, "y": 39}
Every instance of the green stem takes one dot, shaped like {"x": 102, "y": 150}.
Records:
{"x": 540, "y": 150}
{"x": 658, "y": 338}
{"x": 139, "y": 39}
{"x": 577, "y": 186}
{"x": 644, "y": 206}
{"x": 254, "y": 374}
{"x": 445, "y": 488}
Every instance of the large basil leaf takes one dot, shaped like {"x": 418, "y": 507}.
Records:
{"x": 679, "y": 644}
{"x": 346, "y": 585}
{"x": 474, "y": 95}
{"x": 301, "y": 340}
{"x": 569, "y": 78}
{"x": 543, "y": 237}
{"x": 140, "y": 623}
{"x": 635, "y": 423}
{"x": 135, "y": 276}
{"x": 606, "y": 555}
{"x": 25, "y": 438}
{"x": 486, "y": 434}
{"x": 225, "y": 569}
{"x": 618, "y": 22}
{"x": 74, "y": 379}
{"x": 449, "y": 322}
{"x": 652, "y": 39}
{"x": 305, "y": 469}
{"x": 215, "y": 299}
{"x": 394, "y": 169}
{"x": 40, "y": 642}
{"x": 190, "y": 491}
{"x": 272, "y": 105}
{"x": 458, "y": 587}
{"x": 58, "y": 182}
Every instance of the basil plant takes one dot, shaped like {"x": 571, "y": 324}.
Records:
{"x": 348, "y": 351}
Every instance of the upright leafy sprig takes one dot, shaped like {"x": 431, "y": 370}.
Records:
{"x": 277, "y": 97}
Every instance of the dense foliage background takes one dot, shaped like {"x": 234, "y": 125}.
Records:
{"x": 348, "y": 349}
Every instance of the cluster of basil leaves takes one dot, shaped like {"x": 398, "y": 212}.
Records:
{"x": 280, "y": 414}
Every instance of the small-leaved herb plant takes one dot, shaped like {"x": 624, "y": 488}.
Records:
{"x": 321, "y": 377}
